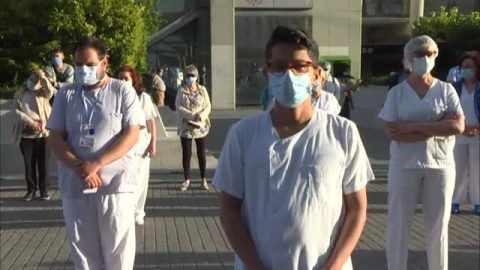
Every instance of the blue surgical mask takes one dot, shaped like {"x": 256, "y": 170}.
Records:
{"x": 190, "y": 80}
{"x": 86, "y": 75}
{"x": 32, "y": 86}
{"x": 466, "y": 74}
{"x": 57, "y": 61}
{"x": 288, "y": 89}
{"x": 327, "y": 74}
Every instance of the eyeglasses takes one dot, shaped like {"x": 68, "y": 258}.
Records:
{"x": 297, "y": 67}
{"x": 419, "y": 54}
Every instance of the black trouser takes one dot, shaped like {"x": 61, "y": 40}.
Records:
{"x": 346, "y": 108}
{"x": 35, "y": 155}
{"x": 187, "y": 155}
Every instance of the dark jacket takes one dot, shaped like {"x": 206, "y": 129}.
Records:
{"x": 476, "y": 96}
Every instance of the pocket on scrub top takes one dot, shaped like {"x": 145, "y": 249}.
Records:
{"x": 116, "y": 123}
{"x": 325, "y": 185}
{"x": 444, "y": 146}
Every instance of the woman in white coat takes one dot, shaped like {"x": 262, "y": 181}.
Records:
{"x": 467, "y": 147}
{"x": 422, "y": 114}
{"x": 147, "y": 141}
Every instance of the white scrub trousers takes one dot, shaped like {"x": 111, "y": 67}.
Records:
{"x": 467, "y": 162}
{"x": 142, "y": 186}
{"x": 404, "y": 186}
{"x": 101, "y": 231}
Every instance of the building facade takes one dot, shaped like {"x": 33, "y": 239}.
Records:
{"x": 225, "y": 39}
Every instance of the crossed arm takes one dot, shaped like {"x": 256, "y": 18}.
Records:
{"x": 410, "y": 132}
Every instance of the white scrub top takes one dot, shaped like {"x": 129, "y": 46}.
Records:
{"x": 149, "y": 111}
{"x": 403, "y": 104}
{"x": 112, "y": 108}
{"x": 292, "y": 189}
{"x": 471, "y": 118}
{"x": 327, "y": 102}
{"x": 333, "y": 87}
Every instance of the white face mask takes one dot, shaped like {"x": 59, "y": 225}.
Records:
{"x": 423, "y": 65}
{"x": 32, "y": 86}
{"x": 86, "y": 75}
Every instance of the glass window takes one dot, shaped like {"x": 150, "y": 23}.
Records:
{"x": 252, "y": 31}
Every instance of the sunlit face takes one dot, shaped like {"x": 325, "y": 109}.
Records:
{"x": 422, "y": 53}
{"x": 125, "y": 76}
{"x": 89, "y": 57}
{"x": 288, "y": 56}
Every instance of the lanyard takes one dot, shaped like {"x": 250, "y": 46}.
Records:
{"x": 89, "y": 118}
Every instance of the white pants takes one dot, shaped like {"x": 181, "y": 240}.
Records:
{"x": 101, "y": 231}
{"x": 435, "y": 188}
{"x": 467, "y": 162}
{"x": 142, "y": 186}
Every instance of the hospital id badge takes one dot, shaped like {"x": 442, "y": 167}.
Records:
{"x": 87, "y": 141}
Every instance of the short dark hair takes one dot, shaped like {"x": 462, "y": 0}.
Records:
{"x": 300, "y": 38}
{"x": 57, "y": 50}
{"x": 92, "y": 43}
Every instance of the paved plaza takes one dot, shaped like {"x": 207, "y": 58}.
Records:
{"x": 182, "y": 229}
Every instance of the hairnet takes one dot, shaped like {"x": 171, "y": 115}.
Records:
{"x": 416, "y": 44}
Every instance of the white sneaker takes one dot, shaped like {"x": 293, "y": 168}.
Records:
{"x": 139, "y": 221}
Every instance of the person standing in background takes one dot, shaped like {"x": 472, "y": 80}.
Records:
{"x": 193, "y": 107}
{"x": 331, "y": 85}
{"x": 146, "y": 147}
{"x": 422, "y": 114}
{"x": 158, "y": 88}
{"x": 467, "y": 147}
{"x": 60, "y": 73}
{"x": 32, "y": 109}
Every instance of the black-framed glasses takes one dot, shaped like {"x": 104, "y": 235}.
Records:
{"x": 296, "y": 66}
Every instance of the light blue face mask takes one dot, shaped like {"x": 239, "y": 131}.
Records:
{"x": 288, "y": 89}
{"x": 327, "y": 74}
{"x": 86, "y": 75}
{"x": 466, "y": 74}
{"x": 32, "y": 86}
{"x": 57, "y": 61}
{"x": 190, "y": 80}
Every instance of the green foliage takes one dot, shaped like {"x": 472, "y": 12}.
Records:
{"x": 30, "y": 29}
{"x": 458, "y": 31}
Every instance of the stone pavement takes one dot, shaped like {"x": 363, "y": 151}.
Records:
{"x": 182, "y": 229}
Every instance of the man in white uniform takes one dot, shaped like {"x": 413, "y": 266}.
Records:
{"x": 331, "y": 85}
{"x": 94, "y": 124}
{"x": 293, "y": 178}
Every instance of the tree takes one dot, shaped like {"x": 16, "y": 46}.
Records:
{"x": 454, "y": 33}
{"x": 36, "y": 27}
{"x": 459, "y": 31}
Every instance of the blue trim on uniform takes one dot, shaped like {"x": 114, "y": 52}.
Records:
{"x": 476, "y": 96}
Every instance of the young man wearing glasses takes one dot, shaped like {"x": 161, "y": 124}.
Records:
{"x": 293, "y": 178}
